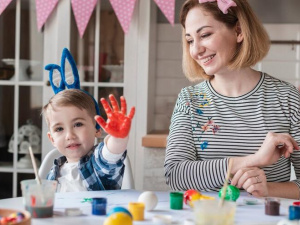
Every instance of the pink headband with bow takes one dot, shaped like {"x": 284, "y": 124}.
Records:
{"x": 223, "y": 5}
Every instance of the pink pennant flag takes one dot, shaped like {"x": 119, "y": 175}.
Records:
{"x": 3, "y": 5}
{"x": 83, "y": 11}
{"x": 44, "y": 10}
{"x": 124, "y": 10}
{"x": 168, "y": 9}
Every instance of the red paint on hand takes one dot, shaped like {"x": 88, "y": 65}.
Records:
{"x": 118, "y": 123}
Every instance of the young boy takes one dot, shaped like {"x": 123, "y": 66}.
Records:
{"x": 70, "y": 116}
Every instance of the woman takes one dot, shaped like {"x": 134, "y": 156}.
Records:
{"x": 237, "y": 114}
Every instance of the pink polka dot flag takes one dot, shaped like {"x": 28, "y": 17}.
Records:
{"x": 44, "y": 10}
{"x": 3, "y": 5}
{"x": 82, "y": 11}
{"x": 168, "y": 9}
{"x": 124, "y": 10}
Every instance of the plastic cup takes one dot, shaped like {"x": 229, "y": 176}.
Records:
{"x": 209, "y": 212}
{"x": 39, "y": 199}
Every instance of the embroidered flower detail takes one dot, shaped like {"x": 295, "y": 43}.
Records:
{"x": 215, "y": 128}
{"x": 210, "y": 121}
{"x": 204, "y": 103}
{"x": 205, "y": 127}
{"x": 204, "y": 145}
{"x": 199, "y": 111}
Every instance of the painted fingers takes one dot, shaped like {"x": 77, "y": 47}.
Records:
{"x": 118, "y": 123}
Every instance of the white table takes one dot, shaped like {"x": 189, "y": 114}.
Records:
{"x": 245, "y": 214}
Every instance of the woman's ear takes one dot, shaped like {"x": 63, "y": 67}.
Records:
{"x": 98, "y": 134}
{"x": 50, "y": 138}
{"x": 239, "y": 33}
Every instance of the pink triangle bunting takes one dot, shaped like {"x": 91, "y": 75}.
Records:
{"x": 44, "y": 10}
{"x": 168, "y": 9}
{"x": 124, "y": 10}
{"x": 83, "y": 11}
{"x": 3, "y": 5}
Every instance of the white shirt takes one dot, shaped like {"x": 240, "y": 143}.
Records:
{"x": 70, "y": 180}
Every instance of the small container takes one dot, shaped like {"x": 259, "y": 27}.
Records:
{"x": 137, "y": 210}
{"x": 176, "y": 200}
{"x": 296, "y": 203}
{"x": 272, "y": 206}
{"x": 210, "y": 212}
{"x": 162, "y": 219}
{"x": 99, "y": 206}
{"x": 39, "y": 198}
{"x": 294, "y": 212}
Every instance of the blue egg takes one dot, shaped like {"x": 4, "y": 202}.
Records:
{"x": 118, "y": 209}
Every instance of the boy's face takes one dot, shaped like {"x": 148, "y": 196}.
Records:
{"x": 72, "y": 131}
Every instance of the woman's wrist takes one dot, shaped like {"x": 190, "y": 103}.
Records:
{"x": 244, "y": 162}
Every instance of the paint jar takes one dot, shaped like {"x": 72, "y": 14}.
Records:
{"x": 211, "y": 212}
{"x": 294, "y": 212}
{"x": 137, "y": 210}
{"x": 176, "y": 200}
{"x": 272, "y": 206}
{"x": 99, "y": 206}
{"x": 39, "y": 199}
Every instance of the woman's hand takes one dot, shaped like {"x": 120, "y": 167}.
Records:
{"x": 118, "y": 123}
{"x": 274, "y": 146}
{"x": 253, "y": 180}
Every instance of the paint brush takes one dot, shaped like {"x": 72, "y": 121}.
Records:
{"x": 38, "y": 179}
{"x": 225, "y": 183}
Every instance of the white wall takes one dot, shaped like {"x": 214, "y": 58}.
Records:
{"x": 169, "y": 75}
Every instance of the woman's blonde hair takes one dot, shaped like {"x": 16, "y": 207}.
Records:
{"x": 70, "y": 97}
{"x": 251, "y": 50}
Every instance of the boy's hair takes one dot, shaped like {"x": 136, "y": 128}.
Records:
{"x": 251, "y": 50}
{"x": 70, "y": 97}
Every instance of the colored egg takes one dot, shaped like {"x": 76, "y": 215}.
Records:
{"x": 188, "y": 195}
{"x": 149, "y": 199}
{"x": 232, "y": 193}
{"x": 192, "y": 195}
{"x": 119, "y": 209}
{"x": 118, "y": 218}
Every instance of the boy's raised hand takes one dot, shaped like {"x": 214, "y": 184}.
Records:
{"x": 118, "y": 123}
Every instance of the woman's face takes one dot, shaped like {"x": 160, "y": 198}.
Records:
{"x": 212, "y": 44}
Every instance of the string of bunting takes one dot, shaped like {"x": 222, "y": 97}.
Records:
{"x": 83, "y": 10}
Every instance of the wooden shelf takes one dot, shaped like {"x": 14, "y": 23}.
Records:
{"x": 156, "y": 139}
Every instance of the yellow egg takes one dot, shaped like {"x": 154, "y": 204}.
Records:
{"x": 118, "y": 218}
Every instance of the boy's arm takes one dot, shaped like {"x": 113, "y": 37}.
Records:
{"x": 113, "y": 151}
{"x": 116, "y": 145}
{"x": 110, "y": 169}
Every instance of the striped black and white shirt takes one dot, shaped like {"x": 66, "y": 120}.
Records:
{"x": 208, "y": 128}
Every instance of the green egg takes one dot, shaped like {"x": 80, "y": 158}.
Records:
{"x": 232, "y": 193}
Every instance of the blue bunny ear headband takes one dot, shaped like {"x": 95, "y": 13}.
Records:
{"x": 66, "y": 77}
